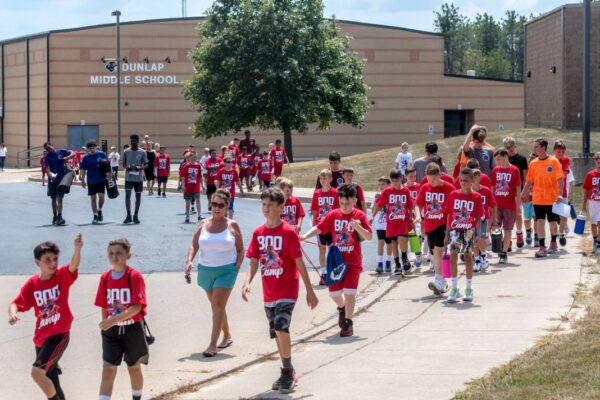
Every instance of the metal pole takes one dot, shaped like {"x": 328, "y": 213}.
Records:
{"x": 117, "y": 14}
{"x": 586, "y": 76}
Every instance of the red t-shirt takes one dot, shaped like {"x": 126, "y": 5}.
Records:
{"x": 192, "y": 177}
{"x": 292, "y": 210}
{"x": 591, "y": 183}
{"x": 484, "y": 180}
{"x": 276, "y": 262}
{"x": 432, "y": 199}
{"x": 117, "y": 295}
{"x": 43, "y": 163}
{"x": 444, "y": 176}
{"x": 414, "y": 190}
{"x": 257, "y": 158}
{"x": 506, "y": 181}
{"x": 463, "y": 210}
{"x": 162, "y": 162}
{"x": 344, "y": 237}
{"x": 227, "y": 180}
{"x": 399, "y": 207}
{"x": 565, "y": 163}
{"x": 233, "y": 152}
{"x": 323, "y": 203}
{"x": 265, "y": 169}
{"x": 278, "y": 155}
{"x": 212, "y": 167}
{"x": 360, "y": 196}
{"x": 245, "y": 161}
{"x": 487, "y": 200}
{"x": 50, "y": 301}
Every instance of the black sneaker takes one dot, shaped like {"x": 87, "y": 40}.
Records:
{"x": 277, "y": 383}
{"x": 128, "y": 220}
{"x": 341, "y": 316}
{"x": 398, "y": 271}
{"x": 100, "y": 217}
{"x": 347, "y": 329}
{"x": 95, "y": 220}
{"x": 193, "y": 211}
{"x": 406, "y": 266}
{"x": 135, "y": 219}
{"x": 503, "y": 258}
{"x": 562, "y": 240}
{"x": 164, "y": 195}
{"x": 159, "y": 193}
{"x": 187, "y": 219}
{"x": 287, "y": 380}
{"x": 54, "y": 219}
{"x": 60, "y": 221}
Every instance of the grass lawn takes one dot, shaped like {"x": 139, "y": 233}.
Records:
{"x": 560, "y": 366}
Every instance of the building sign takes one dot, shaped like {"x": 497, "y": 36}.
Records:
{"x": 137, "y": 74}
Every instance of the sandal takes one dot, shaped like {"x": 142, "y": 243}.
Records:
{"x": 225, "y": 344}
{"x": 209, "y": 353}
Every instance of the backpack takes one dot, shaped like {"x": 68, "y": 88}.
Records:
{"x": 336, "y": 266}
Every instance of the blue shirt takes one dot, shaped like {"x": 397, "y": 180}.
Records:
{"x": 90, "y": 162}
{"x": 55, "y": 163}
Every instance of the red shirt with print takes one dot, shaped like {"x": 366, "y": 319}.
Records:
{"x": 192, "y": 177}
{"x": 278, "y": 155}
{"x": 292, "y": 211}
{"x": 245, "y": 161}
{"x": 487, "y": 201}
{"x": 432, "y": 199}
{"x": 463, "y": 210}
{"x": 323, "y": 203}
{"x": 162, "y": 162}
{"x": 212, "y": 167}
{"x": 276, "y": 261}
{"x": 591, "y": 184}
{"x": 506, "y": 181}
{"x": 414, "y": 191}
{"x": 117, "y": 295}
{"x": 265, "y": 168}
{"x": 228, "y": 180}
{"x": 50, "y": 301}
{"x": 257, "y": 158}
{"x": 399, "y": 206}
{"x": 234, "y": 151}
{"x": 344, "y": 237}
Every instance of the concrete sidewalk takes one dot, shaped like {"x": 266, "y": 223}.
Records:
{"x": 412, "y": 345}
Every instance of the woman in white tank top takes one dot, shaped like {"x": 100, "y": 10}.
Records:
{"x": 218, "y": 240}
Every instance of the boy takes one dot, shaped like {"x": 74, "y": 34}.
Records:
{"x": 191, "y": 177}
{"x": 213, "y": 165}
{"x": 348, "y": 175}
{"x": 48, "y": 294}
{"x": 278, "y": 156}
{"x": 122, "y": 297}
{"x": 488, "y": 202}
{"x": 227, "y": 178}
{"x": 265, "y": 171}
{"x": 162, "y": 162}
{"x": 414, "y": 187}
{"x": 399, "y": 207}
{"x": 524, "y": 213}
{"x": 335, "y": 160}
{"x": 559, "y": 152}
{"x": 44, "y": 170}
{"x": 279, "y": 268}
{"x": 591, "y": 186}
{"x": 404, "y": 158}
{"x": 347, "y": 225}
{"x": 245, "y": 162}
{"x": 464, "y": 210}
{"x": 234, "y": 149}
{"x": 378, "y": 222}
{"x": 323, "y": 202}
{"x": 432, "y": 200}
{"x": 293, "y": 212}
{"x": 96, "y": 179}
{"x": 506, "y": 187}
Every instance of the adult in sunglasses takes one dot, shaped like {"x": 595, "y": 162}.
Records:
{"x": 218, "y": 240}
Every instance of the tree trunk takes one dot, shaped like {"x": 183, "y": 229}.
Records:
{"x": 287, "y": 143}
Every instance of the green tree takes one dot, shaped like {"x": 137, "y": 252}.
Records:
{"x": 487, "y": 33}
{"x": 455, "y": 29}
{"x": 276, "y": 64}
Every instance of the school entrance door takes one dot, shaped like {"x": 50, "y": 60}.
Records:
{"x": 79, "y": 135}
{"x": 458, "y": 122}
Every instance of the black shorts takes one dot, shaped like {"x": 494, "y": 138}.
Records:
{"x": 545, "y": 212}
{"x": 266, "y": 184}
{"x": 96, "y": 188}
{"x": 279, "y": 317}
{"x": 125, "y": 342}
{"x": 162, "y": 179}
{"x": 115, "y": 170}
{"x": 381, "y": 236}
{"x": 47, "y": 356}
{"x": 53, "y": 191}
{"x": 210, "y": 189}
{"x": 138, "y": 187}
{"x": 395, "y": 239}
{"x": 435, "y": 238}
{"x": 326, "y": 239}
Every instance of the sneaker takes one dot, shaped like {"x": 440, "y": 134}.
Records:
{"x": 347, "y": 328}
{"x": 438, "y": 287}
{"x": 597, "y": 248}
{"x": 95, "y": 220}
{"x": 510, "y": 247}
{"x": 54, "y": 219}
{"x": 536, "y": 241}
{"x": 528, "y": 238}
{"x": 128, "y": 220}
{"x": 542, "y": 252}
{"x": 477, "y": 265}
{"x": 503, "y": 258}
{"x": 100, "y": 216}
{"x": 407, "y": 267}
{"x": 379, "y": 268}
{"x": 520, "y": 242}
{"x": 398, "y": 271}
{"x": 287, "y": 380}
{"x": 135, "y": 219}
{"x": 200, "y": 217}
{"x": 322, "y": 280}
{"x": 553, "y": 248}
{"x": 193, "y": 211}
{"x": 187, "y": 219}
{"x": 418, "y": 260}
{"x": 563, "y": 240}
{"x": 388, "y": 266}
{"x": 453, "y": 295}
{"x": 468, "y": 294}
{"x": 485, "y": 263}
{"x": 341, "y": 316}
{"x": 60, "y": 221}
{"x": 431, "y": 266}
{"x": 159, "y": 193}
{"x": 164, "y": 195}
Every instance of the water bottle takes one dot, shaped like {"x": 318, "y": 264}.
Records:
{"x": 418, "y": 229}
{"x": 452, "y": 237}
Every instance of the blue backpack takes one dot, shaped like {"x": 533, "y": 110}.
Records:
{"x": 336, "y": 266}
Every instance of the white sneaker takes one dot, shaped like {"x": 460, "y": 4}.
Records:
{"x": 485, "y": 263}
{"x": 477, "y": 265}
{"x": 453, "y": 295}
{"x": 438, "y": 287}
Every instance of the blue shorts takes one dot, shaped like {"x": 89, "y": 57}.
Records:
{"x": 528, "y": 212}
{"x": 217, "y": 277}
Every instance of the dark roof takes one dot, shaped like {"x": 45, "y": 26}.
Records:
{"x": 46, "y": 33}
{"x": 557, "y": 9}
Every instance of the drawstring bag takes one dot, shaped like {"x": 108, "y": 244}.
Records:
{"x": 67, "y": 180}
{"x": 336, "y": 266}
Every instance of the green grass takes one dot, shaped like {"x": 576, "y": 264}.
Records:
{"x": 370, "y": 166}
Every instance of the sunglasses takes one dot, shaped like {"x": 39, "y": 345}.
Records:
{"x": 218, "y": 205}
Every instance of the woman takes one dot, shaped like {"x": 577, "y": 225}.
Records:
{"x": 221, "y": 247}
{"x": 149, "y": 172}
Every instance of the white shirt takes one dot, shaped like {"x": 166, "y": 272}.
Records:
{"x": 570, "y": 178}
{"x": 203, "y": 161}
{"x": 403, "y": 160}
{"x": 114, "y": 159}
{"x": 3, "y": 151}
{"x": 379, "y": 220}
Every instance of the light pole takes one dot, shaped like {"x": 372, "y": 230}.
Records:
{"x": 117, "y": 14}
{"x": 587, "y": 12}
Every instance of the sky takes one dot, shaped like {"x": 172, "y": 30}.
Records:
{"x": 25, "y": 17}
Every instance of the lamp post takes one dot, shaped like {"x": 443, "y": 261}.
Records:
{"x": 586, "y": 77}
{"x": 117, "y": 14}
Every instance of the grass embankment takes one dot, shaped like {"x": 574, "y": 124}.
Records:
{"x": 560, "y": 366}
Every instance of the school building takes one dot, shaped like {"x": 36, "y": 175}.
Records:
{"x": 58, "y": 86}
